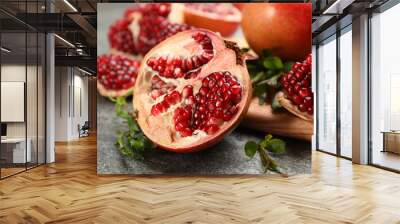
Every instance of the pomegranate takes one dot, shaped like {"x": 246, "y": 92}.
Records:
{"x": 298, "y": 96}
{"x": 283, "y": 28}
{"x": 142, "y": 28}
{"x": 116, "y": 75}
{"x": 239, "y": 5}
{"x": 218, "y": 17}
{"x": 192, "y": 89}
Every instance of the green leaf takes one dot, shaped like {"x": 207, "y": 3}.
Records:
{"x": 273, "y": 81}
{"x": 266, "y": 53}
{"x": 287, "y": 66}
{"x": 258, "y": 77}
{"x": 273, "y": 63}
{"x": 268, "y": 137}
{"x": 276, "y": 146}
{"x": 131, "y": 142}
{"x": 250, "y": 148}
{"x": 259, "y": 90}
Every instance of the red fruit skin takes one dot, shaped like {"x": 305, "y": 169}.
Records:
{"x": 224, "y": 27}
{"x": 207, "y": 141}
{"x": 284, "y": 28}
{"x": 239, "y": 5}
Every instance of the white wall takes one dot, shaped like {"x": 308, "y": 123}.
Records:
{"x": 71, "y": 87}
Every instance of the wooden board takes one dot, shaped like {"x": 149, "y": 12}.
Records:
{"x": 261, "y": 117}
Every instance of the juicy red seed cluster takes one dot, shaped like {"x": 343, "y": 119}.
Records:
{"x": 170, "y": 99}
{"x": 159, "y": 87}
{"x": 215, "y": 102}
{"x": 178, "y": 67}
{"x": 154, "y": 27}
{"x": 116, "y": 72}
{"x": 297, "y": 85}
{"x": 120, "y": 37}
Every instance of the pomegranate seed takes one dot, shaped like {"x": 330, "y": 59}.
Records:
{"x": 211, "y": 129}
{"x": 187, "y": 91}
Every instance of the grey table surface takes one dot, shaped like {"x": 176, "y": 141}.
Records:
{"x": 226, "y": 157}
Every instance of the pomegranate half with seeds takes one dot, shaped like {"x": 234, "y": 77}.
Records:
{"x": 116, "y": 75}
{"x": 297, "y": 96}
{"x": 218, "y": 17}
{"x": 192, "y": 89}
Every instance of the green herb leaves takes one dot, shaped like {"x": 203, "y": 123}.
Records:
{"x": 268, "y": 144}
{"x": 250, "y": 148}
{"x": 265, "y": 73}
{"x": 132, "y": 142}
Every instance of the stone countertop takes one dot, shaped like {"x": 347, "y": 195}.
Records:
{"x": 226, "y": 157}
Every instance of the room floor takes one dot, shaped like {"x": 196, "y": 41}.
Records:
{"x": 387, "y": 159}
{"x": 69, "y": 191}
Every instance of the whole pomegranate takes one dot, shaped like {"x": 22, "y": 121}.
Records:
{"x": 283, "y": 28}
{"x": 143, "y": 27}
{"x": 116, "y": 75}
{"x": 218, "y": 17}
{"x": 297, "y": 88}
{"x": 192, "y": 89}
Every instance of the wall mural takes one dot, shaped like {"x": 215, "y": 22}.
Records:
{"x": 204, "y": 88}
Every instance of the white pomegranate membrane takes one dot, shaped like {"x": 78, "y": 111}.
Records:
{"x": 190, "y": 91}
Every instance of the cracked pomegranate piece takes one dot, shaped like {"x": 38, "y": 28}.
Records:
{"x": 218, "y": 17}
{"x": 116, "y": 75}
{"x": 298, "y": 96}
{"x": 142, "y": 28}
{"x": 192, "y": 89}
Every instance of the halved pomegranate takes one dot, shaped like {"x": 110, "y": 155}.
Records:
{"x": 218, "y": 17}
{"x": 116, "y": 75}
{"x": 143, "y": 27}
{"x": 192, "y": 89}
{"x": 298, "y": 97}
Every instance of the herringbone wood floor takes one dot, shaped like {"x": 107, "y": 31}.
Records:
{"x": 69, "y": 191}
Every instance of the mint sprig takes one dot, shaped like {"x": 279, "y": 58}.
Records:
{"x": 265, "y": 73}
{"x": 132, "y": 142}
{"x": 268, "y": 145}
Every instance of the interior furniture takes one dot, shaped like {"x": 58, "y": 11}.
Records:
{"x": 84, "y": 130}
{"x": 13, "y": 150}
{"x": 391, "y": 141}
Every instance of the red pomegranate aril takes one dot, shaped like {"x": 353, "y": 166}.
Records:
{"x": 187, "y": 91}
{"x": 304, "y": 92}
{"x": 297, "y": 85}
{"x": 310, "y": 110}
{"x": 186, "y": 132}
{"x": 211, "y": 129}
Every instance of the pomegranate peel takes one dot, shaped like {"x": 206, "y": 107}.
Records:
{"x": 187, "y": 113}
{"x": 288, "y": 105}
{"x": 218, "y": 17}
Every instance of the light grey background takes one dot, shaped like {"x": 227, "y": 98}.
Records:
{"x": 227, "y": 157}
